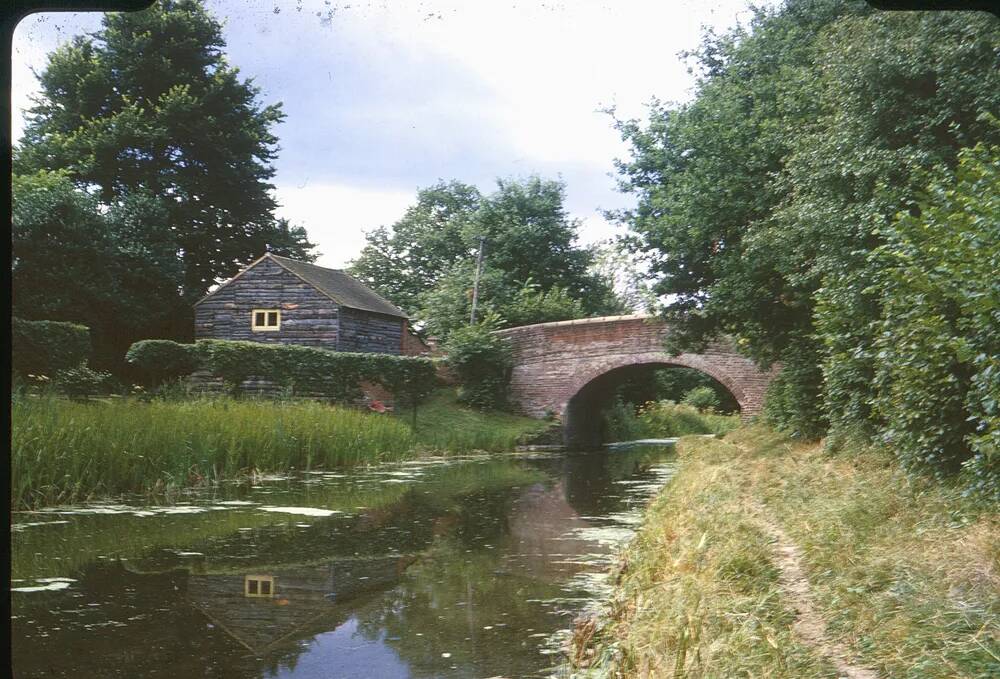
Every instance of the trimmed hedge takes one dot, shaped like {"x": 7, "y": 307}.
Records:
{"x": 46, "y": 347}
{"x": 158, "y": 361}
{"x": 299, "y": 369}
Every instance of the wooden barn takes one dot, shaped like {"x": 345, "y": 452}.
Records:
{"x": 281, "y": 300}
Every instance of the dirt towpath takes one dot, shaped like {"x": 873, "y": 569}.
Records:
{"x": 809, "y": 625}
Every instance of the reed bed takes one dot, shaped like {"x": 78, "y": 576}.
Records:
{"x": 65, "y": 451}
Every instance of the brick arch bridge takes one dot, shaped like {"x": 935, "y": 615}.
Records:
{"x": 570, "y": 368}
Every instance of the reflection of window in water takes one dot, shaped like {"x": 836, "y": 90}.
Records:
{"x": 258, "y": 585}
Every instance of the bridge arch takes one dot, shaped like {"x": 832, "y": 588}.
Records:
{"x": 657, "y": 359}
{"x": 559, "y": 365}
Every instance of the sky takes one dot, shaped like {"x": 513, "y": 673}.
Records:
{"x": 384, "y": 98}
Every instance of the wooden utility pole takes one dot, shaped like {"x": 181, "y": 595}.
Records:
{"x": 475, "y": 285}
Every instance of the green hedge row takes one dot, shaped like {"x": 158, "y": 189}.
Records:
{"x": 46, "y": 347}
{"x": 302, "y": 370}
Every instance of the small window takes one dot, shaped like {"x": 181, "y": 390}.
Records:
{"x": 258, "y": 585}
{"x": 265, "y": 319}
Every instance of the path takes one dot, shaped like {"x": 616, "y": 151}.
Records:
{"x": 809, "y": 624}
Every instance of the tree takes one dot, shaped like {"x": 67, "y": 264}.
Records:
{"x": 529, "y": 235}
{"x": 616, "y": 262}
{"x": 148, "y": 113}
{"x": 116, "y": 271}
{"x": 759, "y": 200}
{"x": 533, "y": 270}
{"x": 411, "y": 256}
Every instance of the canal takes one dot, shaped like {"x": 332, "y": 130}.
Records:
{"x": 461, "y": 567}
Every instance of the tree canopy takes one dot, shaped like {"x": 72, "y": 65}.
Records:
{"x": 169, "y": 151}
{"x": 533, "y": 269}
{"x": 760, "y": 201}
{"x": 150, "y": 104}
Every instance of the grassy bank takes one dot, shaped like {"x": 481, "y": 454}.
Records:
{"x": 444, "y": 424}
{"x": 903, "y": 575}
{"x": 664, "y": 419}
{"x": 64, "y": 451}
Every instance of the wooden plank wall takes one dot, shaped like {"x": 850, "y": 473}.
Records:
{"x": 368, "y": 332}
{"x": 307, "y": 316}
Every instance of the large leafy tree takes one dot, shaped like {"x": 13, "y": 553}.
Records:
{"x": 760, "y": 199}
{"x": 534, "y": 271}
{"x": 149, "y": 106}
{"x": 408, "y": 258}
{"x": 111, "y": 270}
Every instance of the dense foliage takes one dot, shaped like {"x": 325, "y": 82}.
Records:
{"x": 300, "y": 370}
{"x": 762, "y": 200}
{"x": 937, "y": 348}
{"x": 533, "y": 271}
{"x": 158, "y": 361}
{"x": 482, "y": 360}
{"x": 702, "y": 398}
{"x": 163, "y": 154}
{"x": 46, "y": 347}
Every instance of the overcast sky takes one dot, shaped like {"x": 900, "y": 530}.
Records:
{"x": 383, "y": 98}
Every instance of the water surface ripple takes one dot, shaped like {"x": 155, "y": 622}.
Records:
{"x": 472, "y": 567}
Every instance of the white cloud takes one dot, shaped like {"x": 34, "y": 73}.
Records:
{"x": 337, "y": 217}
{"x": 385, "y": 97}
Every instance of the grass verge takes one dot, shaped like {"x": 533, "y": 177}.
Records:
{"x": 65, "y": 451}
{"x": 904, "y": 573}
{"x": 445, "y": 425}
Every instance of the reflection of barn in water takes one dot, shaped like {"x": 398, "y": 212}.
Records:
{"x": 302, "y": 600}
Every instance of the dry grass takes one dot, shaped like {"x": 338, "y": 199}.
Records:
{"x": 904, "y": 573}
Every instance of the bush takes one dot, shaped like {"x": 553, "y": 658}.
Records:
{"x": 483, "y": 361}
{"x": 158, "y": 361}
{"x": 46, "y": 347}
{"x": 793, "y": 400}
{"x": 702, "y": 398}
{"x": 621, "y": 422}
{"x": 81, "y": 381}
{"x": 938, "y": 372}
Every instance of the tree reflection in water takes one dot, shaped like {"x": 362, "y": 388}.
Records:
{"x": 464, "y": 570}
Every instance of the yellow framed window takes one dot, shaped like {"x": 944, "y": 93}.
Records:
{"x": 258, "y": 585}
{"x": 265, "y": 319}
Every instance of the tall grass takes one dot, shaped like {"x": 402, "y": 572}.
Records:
{"x": 444, "y": 425}
{"x": 664, "y": 419}
{"x": 64, "y": 450}
{"x": 903, "y": 572}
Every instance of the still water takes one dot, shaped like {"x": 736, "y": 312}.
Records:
{"x": 469, "y": 567}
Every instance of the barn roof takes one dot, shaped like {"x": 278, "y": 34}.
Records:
{"x": 336, "y": 284}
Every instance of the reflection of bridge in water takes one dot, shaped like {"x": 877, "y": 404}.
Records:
{"x": 570, "y": 368}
